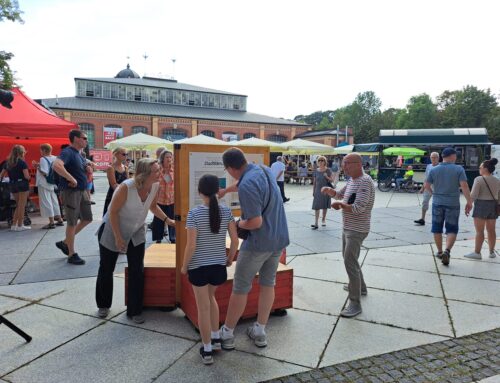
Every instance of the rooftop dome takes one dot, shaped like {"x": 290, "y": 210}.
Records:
{"x": 127, "y": 73}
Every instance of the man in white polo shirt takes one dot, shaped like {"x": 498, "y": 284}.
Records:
{"x": 278, "y": 170}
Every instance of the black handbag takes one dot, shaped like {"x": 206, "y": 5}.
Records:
{"x": 498, "y": 205}
{"x": 244, "y": 233}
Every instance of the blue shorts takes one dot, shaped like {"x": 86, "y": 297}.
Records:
{"x": 447, "y": 216}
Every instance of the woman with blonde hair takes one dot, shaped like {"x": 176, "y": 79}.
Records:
{"x": 323, "y": 176}
{"x": 123, "y": 231}
{"x": 19, "y": 178}
{"x": 486, "y": 196}
{"x": 49, "y": 204}
{"x": 117, "y": 172}
{"x": 165, "y": 197}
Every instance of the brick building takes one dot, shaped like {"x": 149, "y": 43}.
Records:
{"x": 126, "y": 104}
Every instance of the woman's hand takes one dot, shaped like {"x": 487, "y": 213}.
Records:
{"x": 120, "y": 245}
{"x": 229, "y": 261}
{"x": 184, "y": 269}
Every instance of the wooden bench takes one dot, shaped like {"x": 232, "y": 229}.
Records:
{"x": 228, "y": 245}
{"x": 159, "y": 276}
{"x": 283, "y": 294}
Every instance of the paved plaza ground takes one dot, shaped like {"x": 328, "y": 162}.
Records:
{"x": 421, "y": 321}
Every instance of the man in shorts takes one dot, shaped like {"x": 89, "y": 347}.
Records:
{"x": 264, "y": 216}
{"x": 447, "y": 179}
{"x": 427, "y": 195}
{"x": 72, "y": 169}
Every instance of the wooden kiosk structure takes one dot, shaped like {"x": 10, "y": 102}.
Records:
{"x": 164, "y": 285}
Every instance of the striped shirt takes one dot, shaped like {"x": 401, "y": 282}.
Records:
{"x": 359, "y": 219}
{"x": 210, "y": 247}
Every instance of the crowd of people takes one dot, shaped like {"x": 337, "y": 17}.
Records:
{"x": 263, "y": 223}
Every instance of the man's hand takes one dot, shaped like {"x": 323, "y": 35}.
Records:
{"x": 222, "y": 193}
{"x": 468, "y": 208}
{"x": 72, "y": 183}
{"x": 328, "y": 191}
{"x": 337, "y": 205}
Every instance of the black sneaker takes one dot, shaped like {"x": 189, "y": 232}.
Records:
{"x": 216, "y": 344}
{"x": 446, "y": 257}
{"x": 63, "y": 247}
{"x": 76, "y": 260}
{"x": 420, "y": 222}
{"x": 206, "y": 356}
{"x": 439, "y": 254}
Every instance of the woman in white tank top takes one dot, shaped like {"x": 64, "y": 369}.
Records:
{"x": 123, "y": 231}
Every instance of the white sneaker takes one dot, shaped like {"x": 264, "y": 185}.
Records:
{"x": 23, "y": 228}
{"x": 13, "y": 228}
{"x": 473, "y": 255}
{"x": 493, "y": 253}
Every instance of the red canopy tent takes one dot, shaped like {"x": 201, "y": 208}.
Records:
{"x": 30, "y": 124}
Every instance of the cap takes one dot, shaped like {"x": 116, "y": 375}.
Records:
{"x": 448, "y": 152}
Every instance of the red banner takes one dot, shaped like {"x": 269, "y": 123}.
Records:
{"x": 108, "y": 136}
{"x": 102, "y": 158}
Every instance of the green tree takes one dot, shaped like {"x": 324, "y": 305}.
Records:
{"x": 467, "y": 108}
{"x": 493, "y": 125}
{"x": 319, "y": 120}
{"x": 9, "y": 10}
{"x": 420, "y": 113}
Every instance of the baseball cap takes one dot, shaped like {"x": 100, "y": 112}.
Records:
{"x": 448, "y": 152}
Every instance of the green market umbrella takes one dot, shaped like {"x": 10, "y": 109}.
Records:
{"x": 402, "y": 151}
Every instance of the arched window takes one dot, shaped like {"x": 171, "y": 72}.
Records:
{"x": 174, "y": 134}
{"x": 208, "y": 133}
{"x": 90, "y": 132}
{"x": 249, "y": 135}
{"x": 277, "y": 138}
{"x": 139, "y": 129}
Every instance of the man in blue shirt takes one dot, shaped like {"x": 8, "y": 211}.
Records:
{"x": 264, "y": 216}
{"x": 447, "y": 179}
{"x": 72, "y": 169}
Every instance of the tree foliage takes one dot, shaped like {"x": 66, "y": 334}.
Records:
{"x": 9, "y": 10}
{"x": 469, "y": 107}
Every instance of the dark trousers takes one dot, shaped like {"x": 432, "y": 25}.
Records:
{"x": 281, "y": 185}
{"x": 104, "y": 284}
{"x": 159, "y": 226}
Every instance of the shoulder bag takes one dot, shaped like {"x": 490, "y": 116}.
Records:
{"x": 498, "y": 206}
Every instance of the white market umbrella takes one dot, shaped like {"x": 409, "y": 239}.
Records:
{"x": 140, "y": 141}
{"x": 201, "y": 139}
{"x": 254, "y": 141}
{"x": 346, "y": 149}
{"x": 300, "y": 146}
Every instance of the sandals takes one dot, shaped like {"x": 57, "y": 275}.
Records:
{"x": 49, "y": 226}
{"x": 59, "y": 223}
{"x": 314, "y": 227}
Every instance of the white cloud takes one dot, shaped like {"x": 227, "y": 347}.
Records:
{"x": 289, "y": 57}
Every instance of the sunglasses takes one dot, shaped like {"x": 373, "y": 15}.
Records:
{"x": 83, "y": 138}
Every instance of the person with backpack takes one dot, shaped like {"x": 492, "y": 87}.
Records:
{"x": 205, "y": 259}
{"x": 46, "y": 183}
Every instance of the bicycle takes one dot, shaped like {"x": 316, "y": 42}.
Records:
{"x": 389, "y": 183}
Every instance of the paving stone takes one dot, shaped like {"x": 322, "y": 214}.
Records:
{"x": 114, "y": 346}
{"x": 49, "y": 328}
{"x": 400, "y": 260}
{"x": 12, "y": 262}
{"x": 6, "y": 278}
{"x": 465, "y": 290}
{"x": 170, "y": 323}
{"x": 389, "y": 278}
{"x": 477, "y": 269}
{"x": 309, "y": 294}
{"x": 354, "y": 339}
{"x": 307, "y": 329}
{"x": 315, "y": 268}
{"x": 385, "y": 307}
{"x": 10, "y": 304}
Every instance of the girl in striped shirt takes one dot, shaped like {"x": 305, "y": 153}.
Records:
{"x": 205, "y": 259}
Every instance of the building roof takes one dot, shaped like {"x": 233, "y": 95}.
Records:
{"x": 320, "y": 133}
{"x": 156, "y": 83}
{"x": 127, "y": 73}
{"x": 462, "y": 136}
{"x": 90, "y": 104}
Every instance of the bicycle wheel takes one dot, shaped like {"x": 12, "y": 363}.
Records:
{"x": 385, "y": 185}
{"x": 411, "y": 187}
